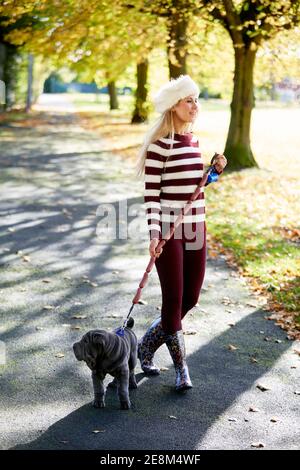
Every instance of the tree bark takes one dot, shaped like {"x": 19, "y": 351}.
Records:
{"x": 140, "y": 113}
{"x": 177, "y": 45}
{"x": 238, "y": 148}
{"x": 113, "y": 98}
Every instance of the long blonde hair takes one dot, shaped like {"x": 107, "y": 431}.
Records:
{"x": 162, "y": 127}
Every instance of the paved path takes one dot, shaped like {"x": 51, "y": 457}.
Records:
{"x": 54, "y": 178}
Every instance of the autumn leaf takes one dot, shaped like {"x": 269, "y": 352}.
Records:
{"x": 231, "y": 347}
{"x": 257, "y": 444}
{"x": 263, "y": 388}
{"x": 190, "y": 332}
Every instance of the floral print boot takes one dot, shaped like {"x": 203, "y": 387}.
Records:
{"x": 176, "y": 346}
{"x": 151, "y": 341}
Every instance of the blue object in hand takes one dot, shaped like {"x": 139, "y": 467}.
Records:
{"x": 213, "y": 176}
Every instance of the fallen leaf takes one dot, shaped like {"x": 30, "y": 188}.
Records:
{"x": 273, "y": 420}
{"x": 78, "y": 303}
{"x": 251, "y": 304}
{"x": 68, "y": 278}
{"x": 254, "y": 360}
{"x": 79, "y": 317}
{"x": 173, "y": 417}
{"x": 115, "y": 272}
{"x": 10, "y": 229}
{"x": 257, "y": 444}
{"x": 93, "y": 284}
{"x": 59, "y": 355}
{"x": 48, "y": 307}
{"x": 267, "y": 338}
{"x": 262, "y": 387}
{"x": 75, "y": 327}
{"x": 163, "y": 369}
{"x": 231, "y": 324}
{"x": 190, "y": 332}
{"x": 253, "y": 409}
{"x": 26, "y": 258}
{"x": 232, "y": 348}
{"x": 46, "y": 280}
{"x": 39, "y": 328}
{"x": 234, "y": 420}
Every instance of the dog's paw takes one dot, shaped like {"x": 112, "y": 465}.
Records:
{"x": 125, "y": 405}
{"x": 98, "y": 404}
{"x": 133, "y": 384}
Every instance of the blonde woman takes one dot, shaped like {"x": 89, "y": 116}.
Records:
{"x": 172, "y": 164}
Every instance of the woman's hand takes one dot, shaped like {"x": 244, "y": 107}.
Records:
{"x": 153, "y": 244}
{"x": 219, "y": 162}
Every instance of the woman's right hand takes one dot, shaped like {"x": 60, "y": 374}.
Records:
{"x": 153, "y": 244}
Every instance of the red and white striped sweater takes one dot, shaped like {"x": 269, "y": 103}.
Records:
{"x": 166, "y": 192}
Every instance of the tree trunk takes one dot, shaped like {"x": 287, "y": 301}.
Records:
{"x": 177, "y": 42}
{"x": 113, "y": 98}
{"x": 141, "y": 109}
{"x": 29, "y": 83}
{"x": 238, "y": 149}
{"x": 2, "y": 78}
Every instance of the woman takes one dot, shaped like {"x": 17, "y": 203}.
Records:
{"x": 173, "y": 167}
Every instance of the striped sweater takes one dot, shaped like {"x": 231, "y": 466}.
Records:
{"x": 169, "y": 184}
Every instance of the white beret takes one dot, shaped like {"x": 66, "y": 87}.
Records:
{"x": 173, "y": 91}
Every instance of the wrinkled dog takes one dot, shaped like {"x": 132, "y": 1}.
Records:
{"x": 107, "y": 353}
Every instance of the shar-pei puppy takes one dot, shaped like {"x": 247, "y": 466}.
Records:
{"x": 108, "y": 353}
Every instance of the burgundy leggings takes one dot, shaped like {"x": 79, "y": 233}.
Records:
{"x": 181, "y": 274}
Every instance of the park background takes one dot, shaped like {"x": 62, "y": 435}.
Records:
{"x": 121, "y": 53}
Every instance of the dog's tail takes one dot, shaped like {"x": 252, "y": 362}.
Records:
{"x": 130, "y": 322}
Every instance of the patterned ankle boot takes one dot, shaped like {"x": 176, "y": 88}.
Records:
{"x": 176, "y": 346}
{"x": 148, "y": 344}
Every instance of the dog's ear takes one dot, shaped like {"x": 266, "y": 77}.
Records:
{"x": 98, "y": 338}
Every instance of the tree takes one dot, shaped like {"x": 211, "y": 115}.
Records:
{"x": 249, "y": 23}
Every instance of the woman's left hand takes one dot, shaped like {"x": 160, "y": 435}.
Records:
{"x": 220, "y": 161}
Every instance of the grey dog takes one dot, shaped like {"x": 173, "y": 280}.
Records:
{"x": 107, "y": 353}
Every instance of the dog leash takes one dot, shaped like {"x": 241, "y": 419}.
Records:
{"x": 163, "y": 241}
